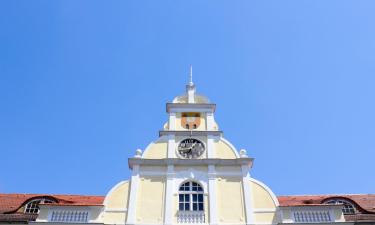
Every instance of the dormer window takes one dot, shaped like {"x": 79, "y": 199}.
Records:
{"x": 33, "y": 205}
{"x": 348, "y": 207}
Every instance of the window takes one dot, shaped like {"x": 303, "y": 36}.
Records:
{"x": 348, "y": 207}
{"x": 190, "y": 197}
{"x": 33, "y": 205}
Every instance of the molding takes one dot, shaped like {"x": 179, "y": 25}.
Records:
{"x": 189, "y": 133}
{"x": 116, "y": 210}
{"x": 265, "y": 210}
{"x": 216, "y": 174}
{"x": 192, "y": 162}
{"x": 186, "y": 107}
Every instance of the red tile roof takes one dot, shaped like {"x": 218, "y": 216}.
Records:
{"x": 12, "y": 202}
{"x": 365, "y": 202}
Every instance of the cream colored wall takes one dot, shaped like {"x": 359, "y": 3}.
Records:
{"x": 230, "y": 206}
{"x": 156, "y": 150}
{"x": 262, "y": 199}
{"x": 263, "y": 204}
{"x": 150, "y": 200}
{"x": 223, "y": 150}
{"x": 116, "y": 203}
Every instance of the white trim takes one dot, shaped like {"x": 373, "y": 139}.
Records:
{"x": 210, "y": 146}
{"x": 171, "y": 146}
{"x": 168, "y": 203}
{"x": 247, "y": 193}
{"x": 212, "y": 195}
{"x": 274, "y": 198}
{"x": 210, "y": 121}
{"x": 172, "y": 121}
{"x": 264, "y": 210}
{"x": 132, "y": 204}
{"x": 163, "y": 173}
{"x": 114, "y": 210}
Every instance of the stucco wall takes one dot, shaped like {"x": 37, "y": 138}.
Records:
{"x": 150, "y": 200}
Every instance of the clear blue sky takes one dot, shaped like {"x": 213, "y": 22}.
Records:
{"x": 84, "y": 83}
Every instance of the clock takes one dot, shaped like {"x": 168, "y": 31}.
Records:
{"x": 190, "y": 148}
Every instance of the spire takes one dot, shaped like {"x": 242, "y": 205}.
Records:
{"x": 190, "y": 87}
{"x": 191, "y": 76}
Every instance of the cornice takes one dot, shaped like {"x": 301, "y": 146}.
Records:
{"x": 190, "y": 162}
{"x": 190, "y": 133}
{"x": 183, "y": 107}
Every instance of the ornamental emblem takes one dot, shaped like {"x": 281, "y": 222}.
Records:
{"x": 190, "y": 120}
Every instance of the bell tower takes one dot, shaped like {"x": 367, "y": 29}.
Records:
{"x": 191, "y": 174}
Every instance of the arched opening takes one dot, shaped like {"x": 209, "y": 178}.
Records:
{"x": 190, "y": 197}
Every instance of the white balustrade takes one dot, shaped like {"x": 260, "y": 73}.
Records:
{"x": 190, "y": 217}
{"x": 69, "y": 216}
{"x": 309, "y": 216}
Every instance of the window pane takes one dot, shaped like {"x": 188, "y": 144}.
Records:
{"x": 195, "y": 207}
{"x": 180, "y": 198}
{"x": 187, "y": 206}
{"x": 200, "y": 198}
{"x": 187, "y": 198}
{"x": 181, "y": 206}
{"x": 195, "y": 197}
{"x": 200, "y": 206}
{"x": 199, "y": 188}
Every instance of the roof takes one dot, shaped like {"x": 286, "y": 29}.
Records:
{"x": 12, "y": 202}
{"x": 365, "y": 202}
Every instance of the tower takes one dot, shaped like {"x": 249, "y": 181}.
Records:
{"x": 191, "y": 173}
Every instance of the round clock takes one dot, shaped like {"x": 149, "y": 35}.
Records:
{"x": 190, "y": 148}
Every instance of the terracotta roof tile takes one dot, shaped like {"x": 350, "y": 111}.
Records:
{"x": 365, "y": 202}
{"x": 12, "y": 202}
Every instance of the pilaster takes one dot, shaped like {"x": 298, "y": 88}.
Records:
{"x": 247, "y": 194}
{"x": 134, "y": 183}
{"x": 212, "y": 194}
{"x": 168, "y": 207}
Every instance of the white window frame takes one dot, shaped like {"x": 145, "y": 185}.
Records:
{"x": 190, "y": 193}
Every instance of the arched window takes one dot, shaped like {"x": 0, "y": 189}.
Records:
{"x": 348, "y": 207}
{"x": 33, "y": 205}
{"x": 190, "y": 197}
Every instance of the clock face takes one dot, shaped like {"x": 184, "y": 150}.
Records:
{"x": 190, "y": 148}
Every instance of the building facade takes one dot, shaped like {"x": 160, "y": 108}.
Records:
{"x": 190, "y": 175}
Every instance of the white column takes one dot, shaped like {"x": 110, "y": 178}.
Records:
{"x": 210, "y": 146}
{"x": 212, "y": 195}
{"x": 134, "y": 183}
{"x": 171, "y": 146}
{"x": 168, "y": 204}
{"x": 210, "y": 122}
{"x": 247, "y": 194}
{"x": 172, "y": 121}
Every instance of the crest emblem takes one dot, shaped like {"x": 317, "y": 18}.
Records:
{"x": 190, "y": 120}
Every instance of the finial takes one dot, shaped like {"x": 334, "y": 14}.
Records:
{"x": 191, "y": 76}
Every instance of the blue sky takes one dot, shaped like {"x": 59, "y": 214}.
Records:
{"x": 84, "y": 83}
